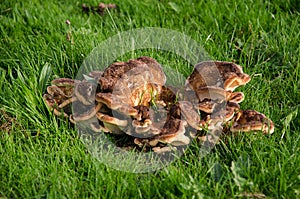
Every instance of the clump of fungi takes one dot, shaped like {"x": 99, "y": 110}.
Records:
{"x": 131, "y": 99}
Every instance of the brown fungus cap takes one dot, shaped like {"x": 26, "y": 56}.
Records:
{"x": 113, "y": 124}
{"x": 225, "y": 113}
{"x": 98, "y": 128}
{"x": 174, "y": 133}
{"x": 64, "y": 82}
{"x": 190, "y": 114}
{"x": 116, "y": 102}
{"x": 133, "y": 67}
{"x": 144, "y": 94}
{"x": 149, "y": 120}
{"x": 207, "y": 106}
{"x": 214, "y": 93}
{"x": 96, "y": 74}
{"x": 83, "y": 112}
{"x": 85, "y": 92}
{"x": 58, "y": 93}
{"x": 52, "y": 104}
{"x": 155, "y": 68}
{"x": 66, "y": 85}
{"x": 60, "y": 96}
{"x": 226, "y": 75}
{"x": 251, "y": 120}
{"x": 162, "y": 150}
{"x": 236, "y": 97}
{"x": 142, "y": 123}
{"x": 111, "y": 120}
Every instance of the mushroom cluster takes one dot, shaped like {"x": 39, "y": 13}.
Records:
{"x": 131, "y": 99}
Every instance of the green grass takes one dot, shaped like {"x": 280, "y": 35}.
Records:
{"x": 41, "y": 156}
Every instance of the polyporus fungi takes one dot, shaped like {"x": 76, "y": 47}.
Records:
{"x": 131, "y": 99}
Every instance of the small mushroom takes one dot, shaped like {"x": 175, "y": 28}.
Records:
{"x": 251, "y": 120}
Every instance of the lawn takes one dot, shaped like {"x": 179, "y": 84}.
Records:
{"x": 41, "y": 155}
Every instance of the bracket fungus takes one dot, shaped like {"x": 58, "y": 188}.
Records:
{"x": 131, "y": 99}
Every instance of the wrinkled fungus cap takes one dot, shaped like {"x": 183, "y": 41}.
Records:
{"x": 251, "y": 120}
